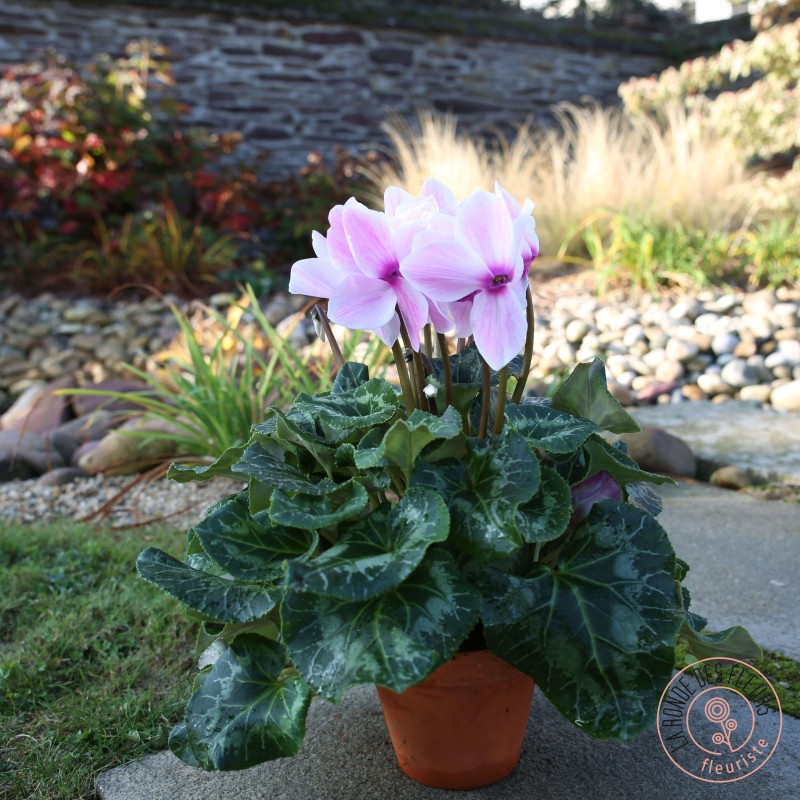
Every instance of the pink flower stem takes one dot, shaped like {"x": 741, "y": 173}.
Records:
{"x": 519, "y": 389}
{"x": 448, "y": 375}
{"x": 402, "y": 374}
{"x": 322, "y": 318}
{"x": 419, "y": 370}
{"x": 461, "y": 343}
{"x": 487, "y": 389}
{"x": 500, "y": 411}
{"x": 428, "y": 341}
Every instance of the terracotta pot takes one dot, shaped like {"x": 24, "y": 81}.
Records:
{"x": 463, "y": 726}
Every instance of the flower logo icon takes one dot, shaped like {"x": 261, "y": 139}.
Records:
{"x": 717, "y": 709}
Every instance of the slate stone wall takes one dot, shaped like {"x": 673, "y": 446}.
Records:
{"x": 292, "y": 86}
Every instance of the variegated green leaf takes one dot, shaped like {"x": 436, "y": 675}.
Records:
{"x": 597, "y": 630}
{"x": 483, "y": 496}
{"x": 259, "y": 463}
{"x": 350, "y": 376}
{"x": 405, "y": 440}
{"x": 545, "y": 428}
{"x": 545, "y": 517}
{"x": 395, "y": 639}
{"x": 377, "y": 553}
{"x": 247, "y": 547}
{"x": 311, "y": 512}
{"x": 246, "y": 712}
{"x": 219, "y": 598}
{"x": 369, "y": 404}
{"x": 221, "y": 467}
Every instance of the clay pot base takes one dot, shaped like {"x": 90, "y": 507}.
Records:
{"x": 463, "y": 726}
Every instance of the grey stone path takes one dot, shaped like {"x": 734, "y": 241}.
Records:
{"x": 746, "y": 554}
{"x": 763, "y": 440}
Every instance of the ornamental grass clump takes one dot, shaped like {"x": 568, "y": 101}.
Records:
{"x": 384, "y": 528}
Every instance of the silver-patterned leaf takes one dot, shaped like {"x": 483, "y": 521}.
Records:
{"x": 377, "y": 553}
{"x": 395, "y": 639}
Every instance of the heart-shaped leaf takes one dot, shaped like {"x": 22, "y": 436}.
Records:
{"x": 605, "y": 457}
{"x": 545, "y": 428}
{"x": 246, "y": 712}
{"x": 250, "y": 548}
{"x": 405, "y": 440}
{"x": 395, "y": 639}
{"x": 377, "y": 553}
{"x": 597, "y": 630}
{"x": 311, "y": 512}
{"x": 259, "y": 463}
{"x": 369, "y": 404}
{"x": 219, "y": 598}
{"x": 350, "y": 376}
{"x": 483, "y": 496}
{"x": 585, "y": 394}
{"x": 545, "y": 517}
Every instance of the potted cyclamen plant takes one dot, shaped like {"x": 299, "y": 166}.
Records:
{"x": 443, "y": 540}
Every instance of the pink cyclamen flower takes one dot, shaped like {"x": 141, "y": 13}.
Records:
{"x": 358, "y": 269}
{"x": 482, "y": 262}
{"x": 530, "y": 247}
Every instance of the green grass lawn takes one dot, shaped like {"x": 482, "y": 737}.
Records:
{"x": 95, "y": 664}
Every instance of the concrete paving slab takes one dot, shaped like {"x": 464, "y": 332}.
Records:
{"x": 746, "y": 558}
{"x": 348, "y": 756}
{"x": 752, "y": 437}
{"x": 745, "y": 561}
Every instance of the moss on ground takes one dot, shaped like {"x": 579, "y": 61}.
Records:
{"x": 781, "y": 671}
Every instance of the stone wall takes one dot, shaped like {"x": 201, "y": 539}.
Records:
{"x": 293, "y": 86}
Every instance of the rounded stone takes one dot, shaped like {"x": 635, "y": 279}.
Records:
{"x": 669, "y": 371}
{"x": 712, "y": 384}
{"x": 787, "y": 396}
{"x": 758, "y": 392}
{"x": 692, "y": 391}
{"x": 681, "y": 350}
{"x": 724, "y": 343}
{"x": 731, "y": 478}
{"x": 745, "y": 349}
{"x": 737, "y": 373}
{"x": 576, "y": 330}
{"x": 657, "y": 450}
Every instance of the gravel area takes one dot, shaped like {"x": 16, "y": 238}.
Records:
{"x": 178, "y": 504}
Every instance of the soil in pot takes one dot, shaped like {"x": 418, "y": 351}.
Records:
{"x": 463, "y": 726}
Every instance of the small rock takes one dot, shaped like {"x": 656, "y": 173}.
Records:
{"x": 745, "y": 349}
{"x": 126, "y": 450}
{"x": 38, "y": 410}
{"x": 681, "y": 350}
{"x": 23, "y": 454}
{"x": 658, "y": 451}
{"x": 654, "y": 390}
{"x": 576, "y": 330}
{"x": 712, "y": 384}
{"x": 787, "y": 396}
{"x": 760, "y": 303}
{"x": 61, "y": 476}
{"x": 669, "y": 371}
{"x": 738, "y": 373}
{"x": 724, "y": 343}
{"x": 757, "y": 392}
{"x": 622, "y": 393}
{"x": 731, "y": 478}
{"x": 692, "y": 391}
